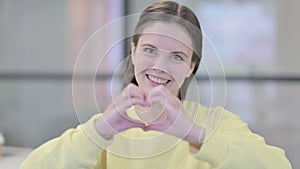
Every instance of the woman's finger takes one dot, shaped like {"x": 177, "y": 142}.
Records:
{"x": 158, "y": 126}
{"x": 127, "y": 103}
{"x": 170, "y": 105}
{"x": 132, "y": 124}
{"x": 133, "y": 91}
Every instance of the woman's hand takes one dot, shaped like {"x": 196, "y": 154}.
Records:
{"x": 177, "y": 122}
{"x": 115, "y": 118}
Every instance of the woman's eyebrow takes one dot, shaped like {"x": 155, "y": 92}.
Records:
{"x": 149, "y": 45}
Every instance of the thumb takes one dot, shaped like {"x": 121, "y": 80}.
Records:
{"x": 156, "y": 126}
{"x": 133, "y": 124}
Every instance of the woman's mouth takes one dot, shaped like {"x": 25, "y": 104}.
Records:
{"x": 157, "y": 80}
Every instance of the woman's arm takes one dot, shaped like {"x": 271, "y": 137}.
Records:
{"x": 81, "y": 147}
{"x": 75, "y": 148}
{"x": 233, "y": 145}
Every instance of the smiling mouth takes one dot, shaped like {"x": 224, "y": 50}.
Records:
{"x": 157, "y": 80}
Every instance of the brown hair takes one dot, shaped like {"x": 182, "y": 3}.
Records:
{"x": 168, "y": 11}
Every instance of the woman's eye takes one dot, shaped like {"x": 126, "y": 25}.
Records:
{"x": 177, "y": 57}
{"x": 150, "y": 50}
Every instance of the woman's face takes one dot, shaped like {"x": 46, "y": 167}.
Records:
{"x": 162, "y": 57}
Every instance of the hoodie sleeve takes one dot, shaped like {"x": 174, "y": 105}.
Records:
{"x": 231, "y": 144}
{"x": 77, "y": 148}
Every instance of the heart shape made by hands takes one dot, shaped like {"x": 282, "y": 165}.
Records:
{"x": 155, "y": 113}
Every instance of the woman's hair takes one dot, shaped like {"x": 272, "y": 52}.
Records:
{"x": 171, "y": 12}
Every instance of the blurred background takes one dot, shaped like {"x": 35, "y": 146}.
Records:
{"x": 257, "y": 42}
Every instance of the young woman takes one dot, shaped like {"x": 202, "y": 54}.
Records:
{"x": 149, "y": 124}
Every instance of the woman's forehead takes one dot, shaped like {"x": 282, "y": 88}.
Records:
{"x": 168, "y": 31}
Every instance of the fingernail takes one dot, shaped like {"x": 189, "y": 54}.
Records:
{"x": 145, "y": 128}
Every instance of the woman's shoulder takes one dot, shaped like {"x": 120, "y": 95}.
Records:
{"x": 203, "y": 112}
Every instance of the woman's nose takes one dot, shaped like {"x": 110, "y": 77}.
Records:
{"x": 160, "y": 63}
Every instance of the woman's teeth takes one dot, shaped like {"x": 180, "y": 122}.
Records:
{"x": 157, "y": 80}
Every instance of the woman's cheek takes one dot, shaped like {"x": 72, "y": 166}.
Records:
{"x": 179, "y": 76}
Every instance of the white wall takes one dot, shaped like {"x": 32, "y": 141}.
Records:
{"x": 33, "y": 40}
{"x": 288, "y": 37}
{"x": 40, "y": 39}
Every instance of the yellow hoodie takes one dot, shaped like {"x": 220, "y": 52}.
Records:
{"x": 229, "y": 144}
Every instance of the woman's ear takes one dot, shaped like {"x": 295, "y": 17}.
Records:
{"x": 132, "y": 53}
